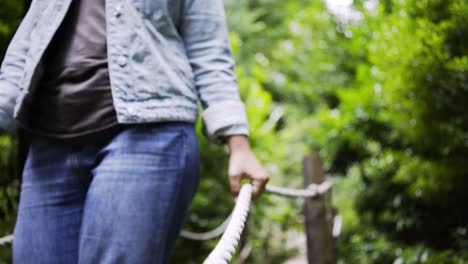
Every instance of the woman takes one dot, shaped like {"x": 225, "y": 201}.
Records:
{"x": 109, "y": 91}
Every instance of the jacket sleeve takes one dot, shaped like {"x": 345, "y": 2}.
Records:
{"x": 205, "y": 34}
{"x": 12, "y": 69}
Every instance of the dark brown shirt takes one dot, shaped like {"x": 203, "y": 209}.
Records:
{"x": 73, "y": 100}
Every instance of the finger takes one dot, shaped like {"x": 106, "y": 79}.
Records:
{"x": 259, "y": 184}
{"x": 234, "y": 184}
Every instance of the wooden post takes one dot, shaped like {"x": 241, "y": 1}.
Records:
{"x": 318, "y": 216}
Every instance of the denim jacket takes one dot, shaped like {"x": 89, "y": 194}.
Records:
{"x": 164, "y": 57}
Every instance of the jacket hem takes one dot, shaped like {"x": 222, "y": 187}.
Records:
{"x": 143, "y": 114}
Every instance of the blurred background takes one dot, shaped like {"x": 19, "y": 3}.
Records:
{"x": 378, "y": 88}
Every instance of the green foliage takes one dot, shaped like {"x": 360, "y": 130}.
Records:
{"x": 401, "y": 128}
{"x": 10, "y": 16}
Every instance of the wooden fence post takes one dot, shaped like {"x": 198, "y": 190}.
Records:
{"x": 318, "y": 216}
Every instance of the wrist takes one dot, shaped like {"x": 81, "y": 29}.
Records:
{"x": 237, "y": 143}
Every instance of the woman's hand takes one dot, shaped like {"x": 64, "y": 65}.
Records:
{"x": 243, "y": 164}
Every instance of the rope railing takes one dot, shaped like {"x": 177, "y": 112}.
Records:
{"x": 231, "y": 229}
{"x": 6, "y": 240}
{"x": 337, "y": 225}
{"x": 313, "y": 190}
{"x": 226, "y": 247}
{"x": 218, "y": 231}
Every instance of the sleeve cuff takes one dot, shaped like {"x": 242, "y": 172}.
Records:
{"x": 224, "y": 119}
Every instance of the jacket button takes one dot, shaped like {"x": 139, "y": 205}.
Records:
{"x": 122, "y": 61}
{"x": 118, "y": 10}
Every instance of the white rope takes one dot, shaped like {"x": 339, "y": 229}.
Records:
{"x": 225, "y": 248}
{"x": 337, "y": 225}
{"x": 6, "y": 240}
{"x": 206, "y": 235}
{"x": 313, "y": 190}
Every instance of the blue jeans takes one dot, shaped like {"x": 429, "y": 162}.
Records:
{"x": 122, "y": 200}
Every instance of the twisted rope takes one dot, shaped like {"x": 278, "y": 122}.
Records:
{"x": 6, "y": 240}
{"x": 337, "y": 225}
{"x": 313, "y": 190}
{"x": 225, "y": 248}
{"x": 207, "y": 235}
